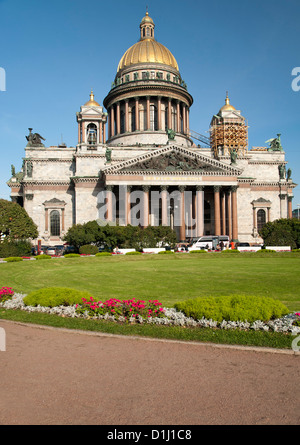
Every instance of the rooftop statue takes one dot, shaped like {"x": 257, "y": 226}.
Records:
{"x": 171, "y": 134}
{"x": 34, "y": 139}
{"x": 233, "y": 156}
{"x": 275, "y": 144}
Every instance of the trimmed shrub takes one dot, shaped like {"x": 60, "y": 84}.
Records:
{"x": 15, "y": 248}
{"x": 13, "y": 259}
{"x": 198, "y": 251}
{"x": 103, "y": 254}
{"x": 165, "y": 252}
{"x": 263, "y": 251}
{"x": 55, "y": 296}
{"x": 230, "y": 251}
{"x": 43, "y": 257}
{"x": 233, "y": 308}
{"x": 72, "y": 255}
{"x": 88, "y": 249}
{"x": 133, "y": 253}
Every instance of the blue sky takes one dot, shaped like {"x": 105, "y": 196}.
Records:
{"x": 53, "y": 53}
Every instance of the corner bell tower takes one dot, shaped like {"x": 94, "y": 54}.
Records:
{"x": 91, "y": 125}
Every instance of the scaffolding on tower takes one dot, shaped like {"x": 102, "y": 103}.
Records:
{"x": 228, "y": 135}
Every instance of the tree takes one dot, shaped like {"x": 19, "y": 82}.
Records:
{"x": 281, "y": 232}
{"x": 15, "y": 224}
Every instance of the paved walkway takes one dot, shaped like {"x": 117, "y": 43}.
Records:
{"x": 59, "y": 377}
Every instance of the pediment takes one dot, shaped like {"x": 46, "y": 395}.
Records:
{"x": 173, "y": 160}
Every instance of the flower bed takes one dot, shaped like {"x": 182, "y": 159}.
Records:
{"x": 6, "y": 293}
{"x": 168, "y": 317}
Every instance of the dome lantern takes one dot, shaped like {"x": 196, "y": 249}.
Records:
{"x": 147, "y": 27}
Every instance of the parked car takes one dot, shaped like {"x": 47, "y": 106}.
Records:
{"x": 60, "y": 249}
{"x": 51, "y": 251}
{"x": 243, "y": 245}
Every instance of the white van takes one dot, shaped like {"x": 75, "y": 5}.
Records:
{"x": 210, "y": 242}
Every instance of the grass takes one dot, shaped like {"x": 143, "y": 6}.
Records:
{"x": 219, "y": 336}
{"x": 168, "y": 278}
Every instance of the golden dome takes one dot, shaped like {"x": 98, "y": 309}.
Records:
{"x": 227, "y": 106}
{"x": 147, "y": 49}
{"x": 92, "y": 102}
{"x": 147, "y": 19}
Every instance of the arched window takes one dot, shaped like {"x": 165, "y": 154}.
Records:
{"x": 261, "y": 219}
{"x": 153, "y": 118}
{"x": 92, "y": 134}
{"x": 174, "y": 118}
{"x": 54, "y": 223}
{"x": 122, "y": 121}
{"x": 133, "y": 128}
{"x": 166, "y": 118}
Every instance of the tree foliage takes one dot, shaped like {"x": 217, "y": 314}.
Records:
{"x": 282, "y": 232}
{"x": 15, "y": 224}
{"x": 121, "y": 236}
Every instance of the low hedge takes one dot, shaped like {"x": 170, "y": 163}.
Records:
{"x": 233, "y": 308}
{"x": 43, "y": 257}
{"x": 103, "y": 254}
{"x": 72, "y": 255}
{"x": 13, "y": 259}
{"x": 165, "y": 252}
{"x": 198, "y": 251}
{"x": 230, "y": 251}
{"x": 55, "y": 296}
{"x": 88, "y": 249}
{"x": 133, "y": 253}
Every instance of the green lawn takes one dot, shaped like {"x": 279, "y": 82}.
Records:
{"x": 169, "y": 278}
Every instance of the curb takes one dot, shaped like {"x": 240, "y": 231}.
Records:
{"x": 131, "y": 337}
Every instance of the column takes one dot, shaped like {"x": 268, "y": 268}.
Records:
{"x": 46, "y": 220}
{"x": 229, "y": 220}
{"x": 223, "y": 207}
{"x": 182, "y": 214}
{"x": 199, "y": 210}
{"x": 79, "y": 133}
{"x": 126, "y": 116}
{"x": 128, "y": 207}
{"x": 217, "y": 210}
{"x": 283, "y": 209}
{"x": 118, "y": 119}
{"x": 137, "y": 114}
{"x": 234, "y": 214}
{"x": 146, "y": 189}
{"x": 104, "y": 135}
{"x": 148, "y": 113}
{"x": 188, "y": 121}
{"x": 109, "y": 202}
{"x": 169, "y": 114}
{"x": 290, "y": 209}
{"x": 184, "y": 118}
{"x": 100, "y": 132}
{"x": 62, "y": 220}
{"x": 83, "y": 132}
{"x": 178, "y": 117}
{"x": 164, "y": 205}
{"x": 159, "y": 113}
{"x": 112, "y": 121}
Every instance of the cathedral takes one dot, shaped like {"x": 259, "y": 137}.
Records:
{"x": 138, "y": 162}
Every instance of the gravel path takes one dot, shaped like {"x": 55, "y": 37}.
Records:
{"x": 59, "y": 377}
